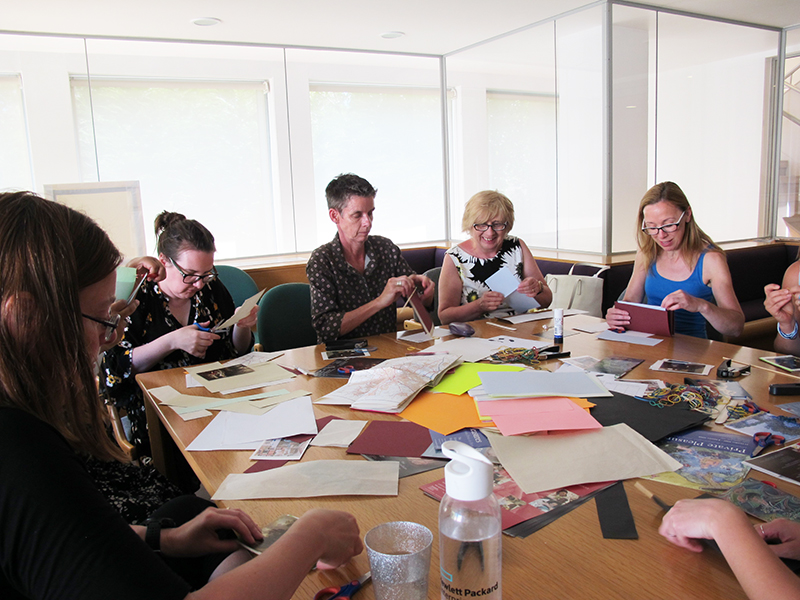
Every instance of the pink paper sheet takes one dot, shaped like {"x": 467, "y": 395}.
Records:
{"x": 532, "y": 416}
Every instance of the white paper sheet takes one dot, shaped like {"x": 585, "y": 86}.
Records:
{"x": 541, "y": 316}
{"x": 418, "y": 337}
{"x": 631, "y": 337}
{"x": 470, "y": 349}
{"x": 546, "y": 462}
{"x": 312, "y": 479}
{"x": 235, "y": 431}
{"x": 530, "y": 383}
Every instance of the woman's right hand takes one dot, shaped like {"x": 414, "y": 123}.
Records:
{"x": 618, "y": 318}
{"x": 489, "y": 301}
{"x": 193, "y": 340}
{"x": 337, "y": 532}
{"x": 779, "y": 304}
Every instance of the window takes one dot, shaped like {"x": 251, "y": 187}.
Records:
{"x": 391, "y": 136}
{"x": 201, "y": 148}
{"x": 522, "y": 160}
{"x": 15, "y": 163}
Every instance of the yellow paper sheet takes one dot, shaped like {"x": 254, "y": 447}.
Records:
{"x": 465, "y": 377}
{"x": 444, "y": 413}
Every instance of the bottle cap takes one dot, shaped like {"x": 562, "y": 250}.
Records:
{"x": 468, "y": 475}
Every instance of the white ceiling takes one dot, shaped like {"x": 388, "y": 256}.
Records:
{"x": 431, "y": 26}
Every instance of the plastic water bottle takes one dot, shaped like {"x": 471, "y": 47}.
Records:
{"x": 470, "y": 551}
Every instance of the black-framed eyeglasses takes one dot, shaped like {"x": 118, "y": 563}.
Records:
{"x": 495, "y": 226}
{"x": 668, "y": 228}
{"x": 111, "y": 325}
{"x": 194, "y": 277}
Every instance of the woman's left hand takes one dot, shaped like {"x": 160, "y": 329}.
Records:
{"x": 680, "y": 299}
{"x": 124, "y": 310}
{"x": 531, "y": 286}
{"x": 199, "y": 537}
{"x": 250, "y": 320}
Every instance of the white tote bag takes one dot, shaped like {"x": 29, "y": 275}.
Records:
{"x": 578, "y": 291}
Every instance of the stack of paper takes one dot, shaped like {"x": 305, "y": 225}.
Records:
{"x": 529, "y": 383}
{"x": 236, "y": 431}
{"x": 236, "y": 377}
{"x": 390, "y": 386}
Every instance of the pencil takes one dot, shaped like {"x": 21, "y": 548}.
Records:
{"x": 652, "y": 496}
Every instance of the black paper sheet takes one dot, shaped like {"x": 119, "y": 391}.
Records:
{"x": 652, "y": 422}
{"x": 614, "y": 514}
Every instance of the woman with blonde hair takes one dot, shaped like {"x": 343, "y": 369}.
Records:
{"x": 678, "y": 267}
{"x": 464, "y": 294}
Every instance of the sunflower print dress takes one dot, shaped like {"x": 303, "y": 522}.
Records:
{"x": 475, "y": 271}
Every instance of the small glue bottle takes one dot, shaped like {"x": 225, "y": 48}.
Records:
{"x": 470, "y": 551}
{"x": 558, "y": 326}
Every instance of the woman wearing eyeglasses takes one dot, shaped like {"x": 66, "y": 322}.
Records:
{"x": 463, "y": 291}
{"x": 170, "y": 328}
{"x": 679, "y": 268}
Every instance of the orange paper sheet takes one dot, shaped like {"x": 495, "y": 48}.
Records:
{"x": 444, "y": 413}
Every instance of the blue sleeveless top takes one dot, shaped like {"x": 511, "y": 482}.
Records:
{"x": 656, "y": 288}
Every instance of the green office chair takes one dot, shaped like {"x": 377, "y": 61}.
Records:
{"x": 239, "y": 284}
{"x": 284, "y": 318}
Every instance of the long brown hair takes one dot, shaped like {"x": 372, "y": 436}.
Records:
{"x": 48, "y": 253}
{"x": 694, "y": 241}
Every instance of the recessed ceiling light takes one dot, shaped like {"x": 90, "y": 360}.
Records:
{"x": 207, "y": 21}
{"x": 631, "y": 106}
{"x": 390, "y": 35}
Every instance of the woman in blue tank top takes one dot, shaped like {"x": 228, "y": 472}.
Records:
{"x": 679, "y": 268}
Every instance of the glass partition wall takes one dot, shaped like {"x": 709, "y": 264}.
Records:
{"x": 681, "y": 99}
{"x": 573, "y": 118}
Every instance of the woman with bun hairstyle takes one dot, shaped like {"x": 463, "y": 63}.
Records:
{"x": 170, "y": 328}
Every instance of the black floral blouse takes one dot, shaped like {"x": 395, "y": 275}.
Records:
{"x": 337, "y": 288}
{"x": 150, "y": 321}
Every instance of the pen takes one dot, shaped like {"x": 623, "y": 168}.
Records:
{"x": 501, "y": 326}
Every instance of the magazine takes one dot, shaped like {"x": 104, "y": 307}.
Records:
{"x": 787, "y": 363}
{"x": 517, "y": 506}
{"x": 711, "y": 460}
{"x": 783, "y": 464}
{"x": 763, "y": 501}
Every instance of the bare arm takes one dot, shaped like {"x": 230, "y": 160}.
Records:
{"x": 726, "y": 315}
{"x": 323, "y": 538}
{"x": 782, "y": 303}
{"x": 757, "y": 567}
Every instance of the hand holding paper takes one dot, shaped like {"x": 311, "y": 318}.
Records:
{"x": 243, "y": 312}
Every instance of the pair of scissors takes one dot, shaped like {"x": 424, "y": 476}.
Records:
{"x": 345, "y": 591}
{"x": 764, "y": 439}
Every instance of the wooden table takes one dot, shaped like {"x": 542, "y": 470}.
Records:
{"x": 567, "y": 559}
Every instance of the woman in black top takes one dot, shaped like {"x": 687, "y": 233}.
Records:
{"x": 59, "y": 538}
{"x": 169, "y": 328}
